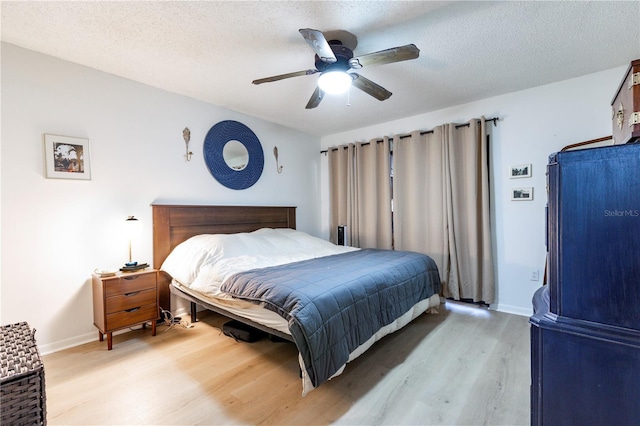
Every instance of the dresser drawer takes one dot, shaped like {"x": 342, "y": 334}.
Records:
{"x": 128, "y": 284}
{"x": 130, "y": 300}
{"x": 132, "y": 316}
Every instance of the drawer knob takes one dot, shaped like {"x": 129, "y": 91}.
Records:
{"x": 132, "y": 309}
{"x": 133, "y": 293}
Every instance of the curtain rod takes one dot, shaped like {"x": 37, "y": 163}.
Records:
{"x": 493, "y": 119}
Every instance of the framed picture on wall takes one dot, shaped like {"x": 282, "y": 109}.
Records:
{"x": 520, "y": 171}
{"x": 66, "y": 157}
{"x": 522, "y": 194}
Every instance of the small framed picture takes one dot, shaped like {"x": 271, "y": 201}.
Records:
{"x": 520, "y": 171}
{"x": 66, "y": 157}
{"x": 522, "y": 194}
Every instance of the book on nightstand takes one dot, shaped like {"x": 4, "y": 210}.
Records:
{"x": 133, "y": 268}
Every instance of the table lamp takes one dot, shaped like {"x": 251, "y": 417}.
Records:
{"x": 133, "y": 228}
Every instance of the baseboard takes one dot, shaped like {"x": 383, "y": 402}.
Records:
{"x": 61, "y": 345}
{"x": 68, "y": 343}
{"x": 516, "y": 310}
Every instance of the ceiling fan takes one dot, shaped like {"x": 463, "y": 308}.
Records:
{"x": 334, "y": 59}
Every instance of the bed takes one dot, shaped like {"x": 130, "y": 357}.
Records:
{"x": 251, "y": 265}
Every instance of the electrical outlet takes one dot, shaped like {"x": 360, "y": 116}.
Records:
{"x": 534, "y": 275}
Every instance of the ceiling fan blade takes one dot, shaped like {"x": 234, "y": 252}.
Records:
{"x": 395, "y": 54}
{"x": 369, "y": 87}
{"x": 315, "y": 99}
{"x": 283, "y": 76}
{"x": 319, "y": 44}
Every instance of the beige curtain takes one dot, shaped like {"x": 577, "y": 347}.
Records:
{"x": 468, "y": 216}
{"x": 441, "y": 205}
{"x": 373, "y": 171}
{"x": 342, "y": 189}
{"x": 419, "y": 197}
{"x": 360, "y": 193}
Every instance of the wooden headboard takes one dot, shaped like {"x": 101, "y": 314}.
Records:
{"x": 173, "y": 224}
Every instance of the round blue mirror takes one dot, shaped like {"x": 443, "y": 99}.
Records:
{"x": 233, "y": 154}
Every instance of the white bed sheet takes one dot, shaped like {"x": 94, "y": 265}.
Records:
{"x": 241, "y": 308}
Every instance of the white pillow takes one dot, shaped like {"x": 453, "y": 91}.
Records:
{"x": 185, "y": 261}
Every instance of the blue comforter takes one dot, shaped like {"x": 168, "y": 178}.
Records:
{"x": 336, "y": 303}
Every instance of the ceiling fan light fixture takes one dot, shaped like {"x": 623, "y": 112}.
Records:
{"x": 334, "y": 82}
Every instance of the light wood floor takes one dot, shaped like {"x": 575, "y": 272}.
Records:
{"x": 463, "y": 366}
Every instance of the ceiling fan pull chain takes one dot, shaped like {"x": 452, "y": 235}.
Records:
{"x": 349, "y": 96}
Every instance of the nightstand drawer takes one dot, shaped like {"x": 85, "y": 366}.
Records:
{"x": 132, "y": 316}
{"x": 130, "y": 300}
{"x": 128, "y": 284}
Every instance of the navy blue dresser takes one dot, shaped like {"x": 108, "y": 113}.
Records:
{"x": 585, "y": 331}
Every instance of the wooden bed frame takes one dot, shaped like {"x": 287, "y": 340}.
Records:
{"x": 173, "y": 224}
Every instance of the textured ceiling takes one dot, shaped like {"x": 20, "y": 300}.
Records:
{"x": 212, "y": 50}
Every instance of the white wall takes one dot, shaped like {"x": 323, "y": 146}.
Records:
{"x": 55, "y": 232}
{"x": 533, "y": 124}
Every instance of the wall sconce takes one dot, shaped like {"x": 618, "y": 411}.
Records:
{"x": 275, "y": 154}
{"x": 186, "y": 134}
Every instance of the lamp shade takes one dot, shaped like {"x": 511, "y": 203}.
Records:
{"x": 133, "y": 227}
{"x": 334, "y": 82}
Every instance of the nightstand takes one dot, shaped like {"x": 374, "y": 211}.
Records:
{"x": 125, "y": 300}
